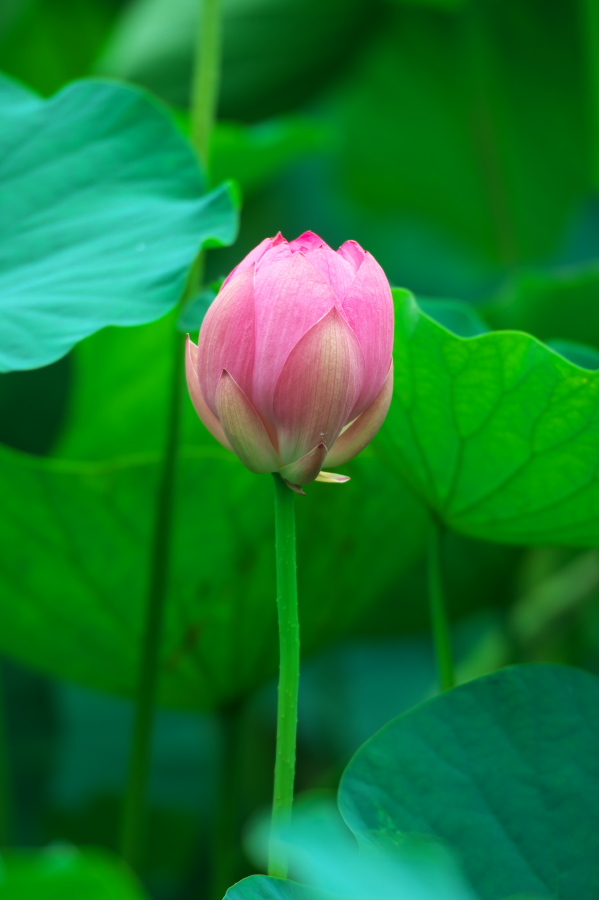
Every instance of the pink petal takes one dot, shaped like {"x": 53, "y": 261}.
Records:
{"x": 306, "y": 469}
{"x": 307, "y": 241}
{"x": 318, "y": 387}
{"x": 244, "y": 428}
{"x": 227, "y": 337}
{"x": 368, "y": 306}
{"x": 290, "y": 296}
{"x": 363, "y": 429}
{"x": 338, "y": 272}
{"x": 197, "y": 398}
{"x": 332, "y": 478}
{"x": 281, "y": 251}
{"x": 254, "y": 256}
{"x": 353, "y": 253}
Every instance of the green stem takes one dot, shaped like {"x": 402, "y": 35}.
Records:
{"x": 289, "y": 672}
{"x": 206, "y": 78}
{"x": 438, "y": 608}
{"x": 205, "y": 85}
{"x": 160, "y": 557}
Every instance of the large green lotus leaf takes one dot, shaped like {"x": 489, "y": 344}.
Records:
{"x": 73, "y": 573}
{"x": 104, "y": 209}
{"x": 65, "y": 873}
{"x": 498, "y": 432}
{"x": 504, "y": 770}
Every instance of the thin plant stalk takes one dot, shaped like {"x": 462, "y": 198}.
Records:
{"x": 289, "y": 672}
{"x": 438, "y": 610}
{"x": 205, "y": 85}
{"x": 206, "y": 78}
{"x": 139, "y": 765}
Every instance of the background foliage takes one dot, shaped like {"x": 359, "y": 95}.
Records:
{"x": 459, "y": 143}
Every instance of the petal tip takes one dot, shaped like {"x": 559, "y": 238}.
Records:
{"x": 332, "y": 478}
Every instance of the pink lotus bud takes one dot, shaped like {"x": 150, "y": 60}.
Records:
{"x": 294, "y": 366}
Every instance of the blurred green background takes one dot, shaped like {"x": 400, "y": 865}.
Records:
{"x": 459, "y": 143}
